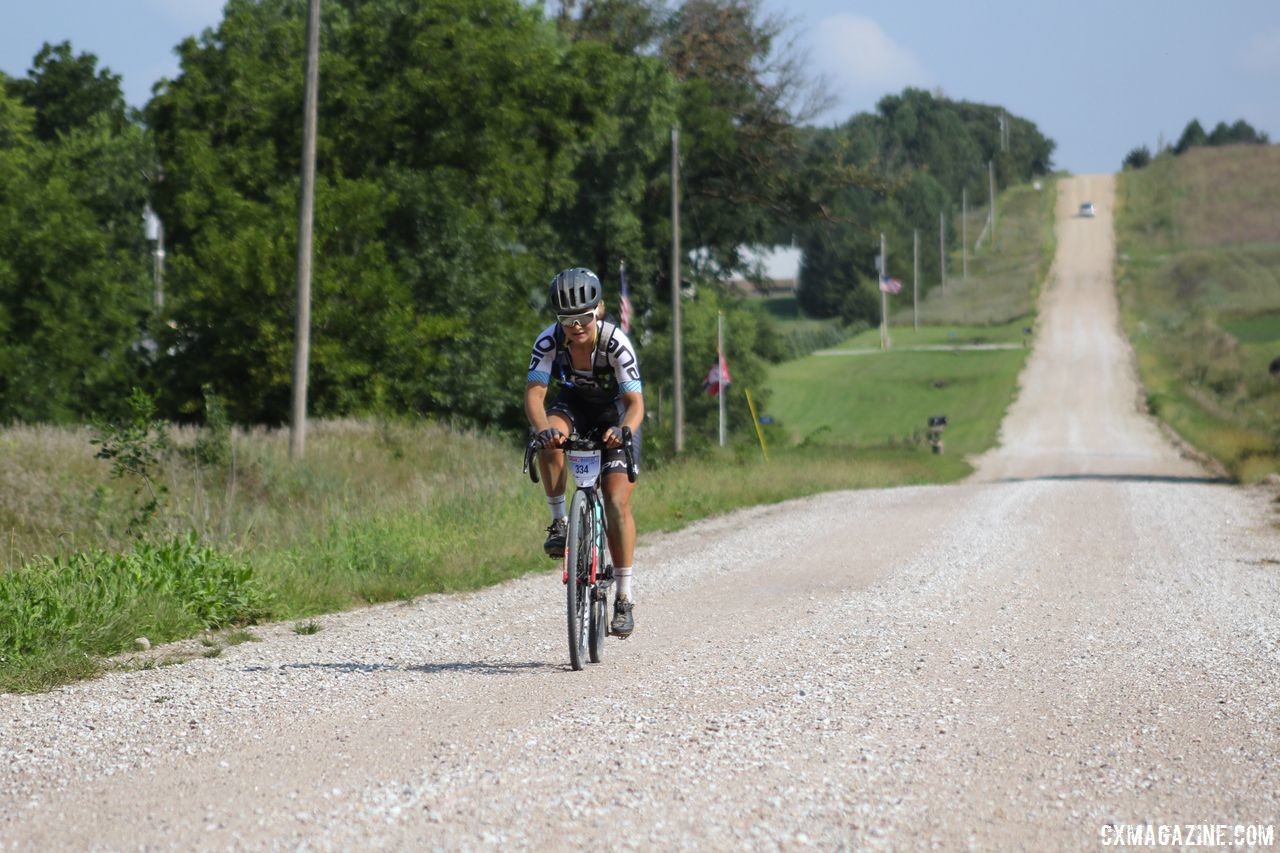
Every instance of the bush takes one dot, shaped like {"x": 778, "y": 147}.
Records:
{"x": 1137, "y": 158}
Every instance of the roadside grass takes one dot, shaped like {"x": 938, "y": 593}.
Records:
{"x": 376, "y": 513}
{"x": 1198, "y": 243}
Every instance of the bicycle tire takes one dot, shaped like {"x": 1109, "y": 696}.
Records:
{"x": 577, "y": 591}
{"x": 599, "y": 598}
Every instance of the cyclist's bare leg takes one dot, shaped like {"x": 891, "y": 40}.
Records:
{"x": 622, "y": 546}
{"x": 622, "y": 527}
{"x": 551, "y": 460}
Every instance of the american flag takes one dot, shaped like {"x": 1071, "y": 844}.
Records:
{"x": 890, "y": 285}
{"x": 717, "y": 377}
{"x": 624, "y": 300}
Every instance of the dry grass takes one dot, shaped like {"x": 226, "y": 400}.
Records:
{"x": 56, "y": 497}
{"x": 1229, "y": 195}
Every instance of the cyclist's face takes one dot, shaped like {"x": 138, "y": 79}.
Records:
{"x": 581, "y": 329}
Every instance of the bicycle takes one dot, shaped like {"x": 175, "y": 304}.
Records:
{"x": 588, "y": 570}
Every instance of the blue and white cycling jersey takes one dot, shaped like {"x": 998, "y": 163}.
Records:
{"x": 615, "y": 369}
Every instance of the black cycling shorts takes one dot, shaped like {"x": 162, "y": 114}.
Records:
{"x": 585, "y": 416}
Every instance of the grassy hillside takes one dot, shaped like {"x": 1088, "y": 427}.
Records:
{"x": 853, "y": 395}
{"x": 1198, "y": 238}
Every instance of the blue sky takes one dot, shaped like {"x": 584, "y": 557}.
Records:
{"x": 1099, "y": 77}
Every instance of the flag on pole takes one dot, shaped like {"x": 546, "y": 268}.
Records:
{"x": 890, "y": 285}
{"x": 624, "y": 299}
{"x": 717, "y": 377}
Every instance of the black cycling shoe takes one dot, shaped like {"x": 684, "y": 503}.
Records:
{"x": 556, "y": 532}
{"x": 622, "y": 624}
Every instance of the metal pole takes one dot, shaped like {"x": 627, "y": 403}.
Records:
{"x": 306, "y": 217}
{"x": 915, "y": 278}
{"x": 942, "y": 249}
{"x": 964, "y": 231}
{"x": 991, "y": 192}
{"x": 677, "y": 356}
{"x": 724, "y": 391}
{"x": 884, "y": 297}
{"x": 159, "y": 273}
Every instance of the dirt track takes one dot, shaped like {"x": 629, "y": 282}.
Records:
{"x": 1086, "y": 633}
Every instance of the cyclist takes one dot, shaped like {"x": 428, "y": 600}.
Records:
{"x": 598, "y": 381}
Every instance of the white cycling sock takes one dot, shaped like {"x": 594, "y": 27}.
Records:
{"x": 622, "y": 574}
{"x": 557, "y": 507}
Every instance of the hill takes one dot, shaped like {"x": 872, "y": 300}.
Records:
{"x": 1198, "y": 245}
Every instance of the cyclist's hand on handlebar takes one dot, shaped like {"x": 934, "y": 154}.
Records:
{"x": 612, "y": 438}
{"x": 550, "y": 437}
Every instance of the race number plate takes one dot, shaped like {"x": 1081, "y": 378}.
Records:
{"x": 585, "y": 465}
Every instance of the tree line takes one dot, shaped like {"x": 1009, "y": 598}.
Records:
{"x": 1194, "y": 136}
{"x": 467, "y": 150}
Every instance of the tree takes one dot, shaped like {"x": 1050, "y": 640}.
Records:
{"x": 68, "y": 91}
{"x": 1193, "y": 135}
{"x": 920, "y": 152}
{"x": 1137, "y": 158}
{"x": 74, "y": 284}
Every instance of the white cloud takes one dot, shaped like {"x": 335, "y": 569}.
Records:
{"x": 1262, "y": 54}
{"x": 856, "y": 54}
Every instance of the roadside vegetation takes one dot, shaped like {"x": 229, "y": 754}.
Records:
{"x": 379, "y": 511}
{"x": 1198, "y": 240}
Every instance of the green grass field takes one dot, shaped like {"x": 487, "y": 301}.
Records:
{"x": 886, "y": 398}
{"x": 1198, "y": 239}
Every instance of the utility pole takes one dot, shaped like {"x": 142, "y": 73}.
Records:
{"x": 306, "y": 217}
{"x": 915, "y": 278}
{"x": 677, "y": 358}
{"x": 720, "y": 365}
{"x": 964, "y": 231}
{"x": 884, "y": 295}
{"x": 991, "y": 192}
{"x": 942, "y": 248}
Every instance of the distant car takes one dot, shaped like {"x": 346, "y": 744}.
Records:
{"x": 1087, "y": 209}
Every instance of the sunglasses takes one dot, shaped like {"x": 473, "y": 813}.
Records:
{"x": 582, "y": 319}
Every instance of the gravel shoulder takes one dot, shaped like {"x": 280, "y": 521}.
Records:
{"x": 1085, "y": 633}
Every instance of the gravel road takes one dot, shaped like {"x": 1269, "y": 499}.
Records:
{"x": 1084, "y": 634}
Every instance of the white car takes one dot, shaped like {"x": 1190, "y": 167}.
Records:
{"x": 1087, "y": 209}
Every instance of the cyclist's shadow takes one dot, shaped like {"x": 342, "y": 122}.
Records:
{"x": 485, "y": 667}
{"x": 481, "y": 667}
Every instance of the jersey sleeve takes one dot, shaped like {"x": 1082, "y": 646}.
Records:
{"x": 626, "y": 365}
{"x": 544, "y": 353}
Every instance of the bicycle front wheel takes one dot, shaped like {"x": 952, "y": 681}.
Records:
{"x": 577, "y": 555}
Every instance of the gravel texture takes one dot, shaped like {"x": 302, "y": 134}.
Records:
{"x": 1084, "y": 634}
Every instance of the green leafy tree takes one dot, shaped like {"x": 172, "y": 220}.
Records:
{"x": 67, "y": 91}
{"x": 450, "y": 133}
{"x": 74, "y": 284}
{"x": 1193, "y": 135}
